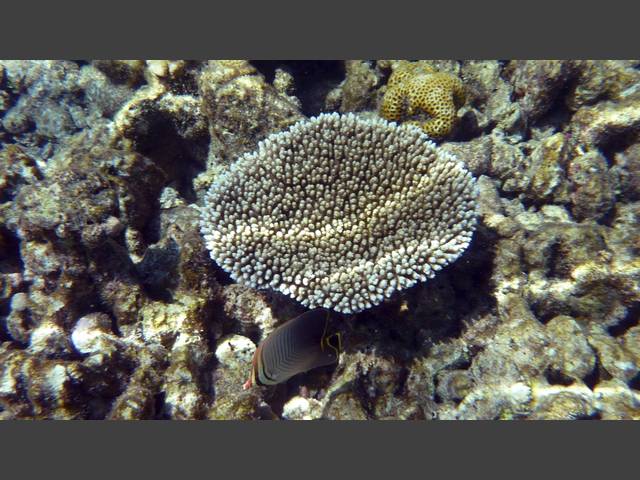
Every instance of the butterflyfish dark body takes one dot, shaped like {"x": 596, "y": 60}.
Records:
{"x": 301, "y": 344}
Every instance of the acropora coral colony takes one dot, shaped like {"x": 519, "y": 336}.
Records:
{"x": 340, "y": 212}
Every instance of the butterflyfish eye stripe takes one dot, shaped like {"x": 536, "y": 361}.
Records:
{"x": 299, "y": 345}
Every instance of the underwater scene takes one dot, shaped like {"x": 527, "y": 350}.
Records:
{"x": 306, "y": 240}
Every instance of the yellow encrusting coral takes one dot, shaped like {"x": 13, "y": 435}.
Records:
{"x": 416, "y": 88}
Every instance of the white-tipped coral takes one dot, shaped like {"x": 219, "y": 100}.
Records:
{"x": 340, "y": 212}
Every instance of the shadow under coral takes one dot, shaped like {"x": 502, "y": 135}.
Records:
{"x": 407, "y": 325}
{"x": 432, "y": 311}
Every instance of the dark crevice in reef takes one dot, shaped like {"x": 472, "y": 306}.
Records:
{"x": 635, "y": 382}
{"x": 264, "y": 412}
{"x": 471, "y": 279}
{"x": 631, "y": 319}
{"x": 467, "y": 129}
{"x": 152, "y": 231}
{"x": 228, "y": 325}
{"x": 556, "y": 269}
{"x": 220, "y": 276}
{"x": 156, "y": 137}
{"x": 608, "y": 218}
{"x": 385, "y": 73}
{"x": 10, "y": 100}
{"x": 436, "y": 396}
{"x": 98, "y": 408}
{"x": 278, "y": 395}
{"x": 508, "y": 195}
{"x": 411, "y": 321}
{"x": 157, "y": 271}
{"x": 159, "y": 404}
{"x": 205, "y": 379}
{"x": 544, "y": 316}
{"x": 10, "y": 259}
{"x": 593, "y": 416}
{"x": 377, "y": 327}
{"x": 4, "y": 311}
{"x": 617, "y": 143}
{"x": 592, "y": 379}
{"x": 313, "y": 79}
{"x": 461, "y": 364}
{"x": 401, "y": 384}
{"x": 7, "y": 195}
{"x": 555, "y": 377}
{"x": 559, "y": 114}
{"x": 311, "y": 382}
{"x": 8, "y": 138}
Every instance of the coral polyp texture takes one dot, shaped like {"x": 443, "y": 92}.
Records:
{"x": 340, "y": 212}
{"x": 417, "y": 89}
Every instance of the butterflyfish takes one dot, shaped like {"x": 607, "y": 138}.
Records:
{"x": 301, "y": 344}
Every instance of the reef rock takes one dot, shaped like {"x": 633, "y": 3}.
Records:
{"x": 112, "y": 308}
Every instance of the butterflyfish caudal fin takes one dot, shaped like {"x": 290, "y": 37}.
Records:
{"x": 297, "y": 346}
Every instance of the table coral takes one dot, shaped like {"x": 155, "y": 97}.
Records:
{"x": 341, "y": 212}
{"x": 416, "y": 88}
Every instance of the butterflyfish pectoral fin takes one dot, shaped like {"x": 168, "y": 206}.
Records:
{"x": 335, "y": 349}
